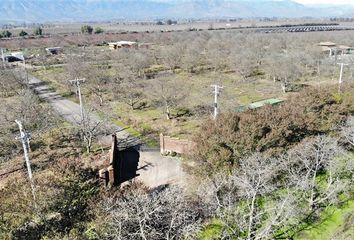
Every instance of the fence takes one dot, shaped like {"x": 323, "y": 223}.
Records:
{"x": 169, "y": 144}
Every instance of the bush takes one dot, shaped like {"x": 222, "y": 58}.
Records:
{"x": 221, "y": 143}
{"x": 38, "y": 31}
{"x": 6, "y": 34}
{"x": 86, "y": 29}
{"x": 23, "y": 33}
{"x": 98, "y": 30}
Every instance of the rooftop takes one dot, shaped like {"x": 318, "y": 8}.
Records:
{"x": 259, "y": 104}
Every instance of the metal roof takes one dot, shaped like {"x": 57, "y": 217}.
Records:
{"x": 259, "y": 104}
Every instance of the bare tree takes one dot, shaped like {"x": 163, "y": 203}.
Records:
{"x": 130, "y": 88}
{"x": 11, "y": 82}
{"x": 284, "y": 67}
{"x": 172, "y": 55}
{"x": 314, "y": 158}
{"x": 237, "y": 200}
{"x": 89, "y": 128}
{"x": 169, "y": 91}
{"x": 193, "y": 55}
{"x": 167, "y": 214}
{"x": 348, "y": 131}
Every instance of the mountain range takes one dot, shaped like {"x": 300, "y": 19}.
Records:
{"x": 14, "y": 11}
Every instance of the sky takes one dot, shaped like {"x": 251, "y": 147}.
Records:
{"x": 325, "y": 1}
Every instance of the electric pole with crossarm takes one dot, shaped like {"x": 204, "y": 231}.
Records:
{"x": 216, "y": 94}
{"x": 77, "y": 83}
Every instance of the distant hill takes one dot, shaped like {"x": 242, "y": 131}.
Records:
{"x": 95, "y": 10}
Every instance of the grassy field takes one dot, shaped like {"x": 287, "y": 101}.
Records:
{"x": 337, "y": 224}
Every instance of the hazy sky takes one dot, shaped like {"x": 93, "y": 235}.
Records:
{"x": 325, "y": 1}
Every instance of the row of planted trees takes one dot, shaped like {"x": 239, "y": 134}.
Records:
{"x": 144, "y": 76}
{"x": 7, "y": 34}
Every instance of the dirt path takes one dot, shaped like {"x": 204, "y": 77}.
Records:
{"x": 154, "y": 170}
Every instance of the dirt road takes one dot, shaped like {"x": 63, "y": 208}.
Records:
{"x": 153, "y": 169}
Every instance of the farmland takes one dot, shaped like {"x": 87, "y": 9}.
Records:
{"x": 266, "y": 172}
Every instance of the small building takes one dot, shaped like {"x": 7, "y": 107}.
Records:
{"x": 259, "y": 104}
{"x": 328, "y": 48}
{"x": 332, "y": 48}
{"x": 327, "y": 44}
{"x": 54, "y": 50}
{"x": 122, "y": 44}
{"x": 342, "y": 49}
{"x": 14, "y": 57}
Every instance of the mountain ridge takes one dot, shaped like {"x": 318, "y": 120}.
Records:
{"x": 100, "y": 10}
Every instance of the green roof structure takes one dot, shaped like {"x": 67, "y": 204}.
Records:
{"x": 259, "y": 104}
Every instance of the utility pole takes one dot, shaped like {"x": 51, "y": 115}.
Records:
{"x": 77, "y": 83}
{"x": 2, "y": 55}
{"x": 25, "y": 136}
{"x": 26, "y": 73}
{"x": 216, "y": 94}
{"x": 340, "y": 75}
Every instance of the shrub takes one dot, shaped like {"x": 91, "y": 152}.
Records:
{"x": 38, "y": 31}
{"x": 221, "y": 143}
{"x": 86, "y": 29}
{"x": 6, "y": 34}
{"x": 23, "y": 33}
{"x": 98, "y": 30}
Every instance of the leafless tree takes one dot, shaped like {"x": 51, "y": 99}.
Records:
{"x": 169, "y": 91}
{"x": 172, "y": 55}
{"x": 193, "y": 55}
{"x": 167, "y": 214}
{"x": 313, "y": 159}
{"x": 237, "y": 200}
{"x": 11, "y": 82}
{"x": 129, "y": 88}
{"x": 89, "y": 128}
{"x": 348, "y": 131}
{"x": 284, "y": 67}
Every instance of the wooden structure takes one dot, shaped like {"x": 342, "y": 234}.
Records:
{"x": 123, "y": 165}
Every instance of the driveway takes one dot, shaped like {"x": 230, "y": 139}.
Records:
{"x": 154, "y": 170}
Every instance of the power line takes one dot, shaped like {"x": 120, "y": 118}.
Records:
{"x": 25, "y": 136}
{"x": 216, "y": 94}
{"x": 77, "y": 83}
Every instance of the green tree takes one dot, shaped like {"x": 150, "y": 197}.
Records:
{"x": 38, "y": 31}
{"x": 170, "y": 22}
{"x": 98, "y": 30}
{"x": 86, "y": 29}
{"x": 159, "y": 23}
{"x": 23, "y": 33}
{"x": 6, "y": 34}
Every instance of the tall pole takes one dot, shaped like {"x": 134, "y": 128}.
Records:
{"x": 340, "y": 80}
{"x": 2, "y": 55}
{"x": 216, "y": 94}
{"x": 77, "y": 83}
{"x": 25, "y": 144}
